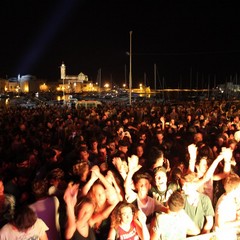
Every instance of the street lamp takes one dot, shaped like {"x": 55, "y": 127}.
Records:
{"x": 130, "y": 70}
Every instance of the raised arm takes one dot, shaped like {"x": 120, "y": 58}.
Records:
{"x": 111, "y": 179}
{"x": 209, "y": 173}
{"x": 141, "y": 226}
{"x": 208, "y": 225}
{"x": 133, "y": 166}
{"x": 118, "y": 163}
{"x": 70, "y": 198}
{"x": 192, "y": 150}
{"x": 225, "y": 154}
{"x": 111, "y": 192}
{"x": 112, "y": 234}
{"x": 90, "y": 182}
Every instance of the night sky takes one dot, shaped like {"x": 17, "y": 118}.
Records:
{"x": 192, "y": 43}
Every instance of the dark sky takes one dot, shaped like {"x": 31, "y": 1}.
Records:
{"x": 192, "y": 43}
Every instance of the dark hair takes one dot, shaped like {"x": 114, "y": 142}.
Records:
{"x": 24, "y": 218}
{"x": 154, "y": 155}
{"x": 140, "y": 174}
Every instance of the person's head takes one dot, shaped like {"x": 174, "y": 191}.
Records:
{"x": 232, "y": 143}
{"x": 102, "y": 150}
{"x": 159, "y": 135}
{"x": 232, "y": 183}
{"x": 155, "y": 158}
{"x": 176, "y": 174}
{"x": 139, "y": 150}
{"x": 142, "y": 182}
{"x": 111, "y": 145}
{"x": 98, "y": 194}
{"x": 198, "y": 137}
{"x": 23, "y": 176}
{"x": 176, "y": 202}
{"x": 123, "y": 213}
{"x": 125, "y": 120}
{"x": 120, "y": 130}
{"x": 93, "y": 143}
{"x": 203, "y": 164}
{"x": 123, "y": 146}
{"x": 56, "y": 176}
{"x": 81, "y": 170}
{"x": 190, "y": 183}
{"x": 24, "y": 218}
{"x": 40, "y": 188}
{"x": 160, "y": 178}
{"x": 84, "y": 209}
{"x": 204, "y": 151}
{"x": 83, "y": 153}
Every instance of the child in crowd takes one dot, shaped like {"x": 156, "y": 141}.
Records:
{"x": 176, "y": 224}
{"x": 128, "y": 223}
{"x": 142, "y": 185}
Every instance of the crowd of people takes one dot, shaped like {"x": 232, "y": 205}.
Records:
{"x": 145, "y": 171}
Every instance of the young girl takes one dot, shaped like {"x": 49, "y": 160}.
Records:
{"x": 128, "y": 223}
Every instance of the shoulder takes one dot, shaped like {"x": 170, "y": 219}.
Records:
{"x": 8, "y": 232}
{"x": 41, "y": 225}
{"x": 6, "y": 228}
{"x": 204, "y": 198}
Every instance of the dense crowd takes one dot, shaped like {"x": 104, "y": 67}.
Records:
{"x": 145, "y": 171}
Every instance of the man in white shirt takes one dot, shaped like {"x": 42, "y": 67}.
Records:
{"x": 176, "y": 224}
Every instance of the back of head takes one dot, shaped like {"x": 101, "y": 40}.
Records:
{"x": 191, "y": 177}
{"x": 24, "y": 218}
{"x": 176, "y": 202}
{"x": 40, "y": 188}
{"x": 231, "y": 183}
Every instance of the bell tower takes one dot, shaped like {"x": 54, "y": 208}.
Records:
{"x": 63, "y": 71}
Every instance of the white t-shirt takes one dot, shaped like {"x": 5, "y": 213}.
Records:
{"x": 47, "y": 210}
{"x": 173, "y": 226}
{"x": 226, "y": 208}
{"x": 9, "y": 232}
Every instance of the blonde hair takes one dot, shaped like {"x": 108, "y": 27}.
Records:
{"x": 231, "y": 183}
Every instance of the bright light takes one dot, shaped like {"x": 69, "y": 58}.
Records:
{"x": 106, "y": 85}
{"x": 124, "y": 85}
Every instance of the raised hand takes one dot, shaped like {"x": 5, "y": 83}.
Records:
{"x": 70, "y": 194}
{"x": 192, "y": 149}
{"x": 133, "y": 163}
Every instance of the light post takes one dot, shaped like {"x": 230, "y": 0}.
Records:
{"x": 130, "y": 70}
